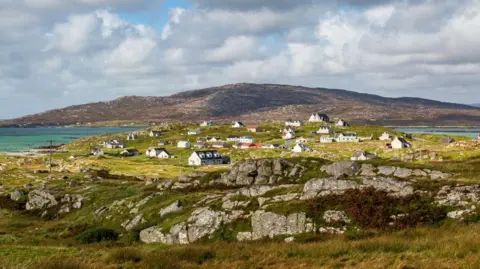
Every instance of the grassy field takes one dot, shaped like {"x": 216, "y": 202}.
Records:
{"x": 30, "y": 241}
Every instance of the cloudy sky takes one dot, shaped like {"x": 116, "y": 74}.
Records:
{"x": 55, "y": 53}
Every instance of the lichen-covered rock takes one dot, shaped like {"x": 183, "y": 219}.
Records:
{"x": 40, "y": 199}
{"x": 397, "y": 188}
{"x": 334, "y": 216}
{"x": 458, "y": 196}
{"x": 175, "y": 207}
{"x": 460, "y": 214}
{"x": 165, "y": 185}
{"x": 386, "y": 170}
{"x": 155, "y": 235}
{"x": 269, "y": 224}
{"x": 259, "y": 172}
{"x": 403, "y": 172}
{"x": 332, "y": 230}
{"x": 16, "y": 195}
{"x": 419, "y": 173}
{"x": 244, "y": 236}
{"x": 439, "y": 175}
{"x": 326, "y": 186}
{"x": 367, "y": 170}
{"x": 345, "y": 168}
{"x": 131, "y": 224}
{"x": 141, "y": 203}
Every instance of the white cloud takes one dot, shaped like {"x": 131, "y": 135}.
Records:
{"x": 57, "y": 53}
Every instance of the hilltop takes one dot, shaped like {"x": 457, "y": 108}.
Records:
{"x": 261, "y": 102}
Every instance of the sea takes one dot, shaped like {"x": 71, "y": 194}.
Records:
{"x": 24, "y": 139}
{"x": 468, "y": 132}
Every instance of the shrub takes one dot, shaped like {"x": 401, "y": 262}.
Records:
{"x": 7, "y": 203}
{"x": 97, "y": 235}
{"x": 125, "y": 255}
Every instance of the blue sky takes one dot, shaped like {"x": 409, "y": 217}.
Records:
{"x": 157, "y": 17}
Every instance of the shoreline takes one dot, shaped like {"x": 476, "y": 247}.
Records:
{"x": 26, "y": 153}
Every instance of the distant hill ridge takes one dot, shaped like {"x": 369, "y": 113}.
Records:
{"x": 261, "y": 102}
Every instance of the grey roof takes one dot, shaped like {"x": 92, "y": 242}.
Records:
{"x": 208, "y": 155}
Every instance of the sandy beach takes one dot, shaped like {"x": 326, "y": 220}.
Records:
{"x": 31, "y": 153}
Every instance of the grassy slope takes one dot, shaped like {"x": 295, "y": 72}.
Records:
{"x": 21, "y": 234}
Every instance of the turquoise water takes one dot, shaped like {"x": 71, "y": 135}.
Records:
{"x": 468, "y": 132}
{"x": 21, "y": 139}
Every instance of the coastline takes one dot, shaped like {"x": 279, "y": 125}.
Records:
{"x": 27, "y": 153}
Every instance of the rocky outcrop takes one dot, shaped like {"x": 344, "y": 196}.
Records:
{"x": 132, "y": 224}
{"x": 203, "y": 221}
{"x": 17, "y": 195}
{"x": 269, "y": 224}
{"x": 395, "y": 187}
{"x": 70, "y": 202}
{"x": 326, "y": 186}
{"x": 41, "y": 199}
{"x": 458, "y": 196}
{"x": 338, "y": 169}
{"x": 175, "y": 207}
{"x": 260, "y": 172}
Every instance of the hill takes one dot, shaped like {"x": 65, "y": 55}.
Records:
{"x": 261, "y": 102}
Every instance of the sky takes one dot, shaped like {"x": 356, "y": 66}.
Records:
{"x": 56, "y": 53}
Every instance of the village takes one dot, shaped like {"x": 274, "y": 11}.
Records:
{"x": 209, "y": 144}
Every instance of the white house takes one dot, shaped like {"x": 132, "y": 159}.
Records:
{"x": 288, "y": 135}
{"x": 271, "y": 146}
{"x": 301, "y": 140}
{"x": 233, "y": 138}
{"x": 97, "y": 151}
{"x": 362, "y": 156}
{"x": 254, "y": 129}
{"x": 237, "y": 124}
{"x": 294, "y": 123}
{"x": 114, "y": 144}
{"x": 325, "y": 130}
{"x": 327, "y": 139}
{"x": 155, "y": 134}
{"x": 347, "y": 137}
{"x": 132, "y": 137}
{"x": 385, "y": 136}
{"x": 206, "y": 123}
{"x": 200, "y": 158}
{"x": 194, "y": 132}
{"x": 184, "y": 144}
{"x": 400, "y": 143}
{"x": 246, "y": 139}
{"x": 161, "y": 153}
{"x": 129, "y": 152}
{"x": 214, "y": 139}
{"x": 342, "y": 123}
{"x": 301, "y": 148}
{"x": 317, "y": 117}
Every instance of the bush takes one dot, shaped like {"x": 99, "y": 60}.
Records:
{"x": 125, "y": 255}
{"x": 7, "y": 203}
{"x": 97, "y": 235}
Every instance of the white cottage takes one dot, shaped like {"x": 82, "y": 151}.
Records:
{"x": 155, "y": 134}
{"x": 97, "y": 151}
{"x": 294, "y": 123}
{"x": 132, "y": 137}
{"x": 325, "y": 130}
{"x": 362, "y": 156}
{"x": 200, "y": 158}
{"x": 301, "y": 140}
{"x": 288, "y": 135}
{"x": 347, "y": 137}
{"x": 342, "y": 123}
{"x": 184, "y": 144}
{"x": 237, "y": 124}
{"x": 301, "y": 148}
{"x": 385, "y": 136}
{"x": 246, "y": 139}
{"x": 400, "y": 143}
{"x": 327, "y": 139}
{"x": 129, "y": 153}
{"x": 206, "y": 123}
{"x": 317, "y": 117}
{"x": 194, "y": 132}
{"x": 114, "y": 144}
{"x": 160, "y": 153}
